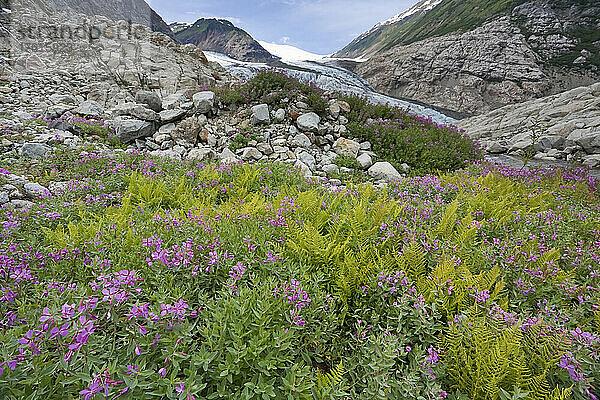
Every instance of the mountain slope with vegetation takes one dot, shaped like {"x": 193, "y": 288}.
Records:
{"x": 559, "y": 38}
{"x": 222, "y": 36}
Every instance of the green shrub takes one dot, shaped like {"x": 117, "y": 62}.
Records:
{"x": 346, "y": 161}
{"x": 241, "y": 139}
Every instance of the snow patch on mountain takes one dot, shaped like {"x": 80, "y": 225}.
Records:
{"x": 290, "y": 53}
{"x": 422, "y": 6}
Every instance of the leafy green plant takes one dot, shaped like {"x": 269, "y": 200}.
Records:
{"x": 241, "y": 139}
{"x": 537, "y": 130}
{"x": 346, "y": 161}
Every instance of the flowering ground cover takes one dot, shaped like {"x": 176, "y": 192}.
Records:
{"x": 148, "y": 278}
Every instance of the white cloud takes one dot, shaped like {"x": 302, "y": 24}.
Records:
{"x": 284, "y": 40}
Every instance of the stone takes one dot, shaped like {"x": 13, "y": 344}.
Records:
{"x": 330, "y": 168}
{"x": 496, "y": 148}
{"x": 251, "y": 153}
{"x": 150, "y": 99}
{"x": 13, "y": 179}
{"x": 549, "y": 142}
{"x": 592, "y": 160}
{"x": 344, "y": 106}
{"x": 201, "y": 154}
{"x": 188, "y": 130}
{"x": 137, "y": 111}
{"x": 260, "y": 114}
{"x": 62, "y": 98}
{"x": 300, "y": 140}
{"x": 365, "y": 161}
{"x": 172, "y": 115}
{"x": 57, "y": 110}
{"x": 127, "y": 130}
{"x": 303, "y": 169}
{"x": 346, "y": 147}
{"x": 204, "y": 101}
{"x": 167, "y": 129}
{"x": 4, "y": 198}
{"x": 227, "y": 156}
{"x": 279, "y": 115}
{"x": 90, "y": 108}
{"x": 308, "y": 122}
{"x": 173, "y": 101}
{"x": 35, "y": 190}
{"x": 161, "y": 138}
{"x": 22, "y": 204}
{"x": 264, "y": 148}
{"x": 34, "y": 150}
{"x": 384, "y": 170}
{"x": 334, "y": 110}
{"x": 308, "y": 159}
{"x": 590, "y": 142}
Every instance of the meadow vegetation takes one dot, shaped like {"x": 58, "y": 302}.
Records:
{"x": 147, "y": 278}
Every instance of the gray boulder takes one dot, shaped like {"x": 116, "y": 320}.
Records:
{"x": 35, "y": 190}
{"x": 34, "y": 150}
{"x": 260, "y": 114}
{"x": 251, "y": 153}
{"x": 137, "y": 111}
{"x": 308, "y": 122}
{"x": 304, "y": 169}
{"x": 90, "y": 108}
{"x": 227, "y": 156}
{"x": 4, "y": 198}
{"x": 150, "y": 99}
{"x": 202, "y": 153}
{"x": 384, "y": 170}
{"x": 174, "y": 101}
{"x": 172, "y": 115}
{"x": 300, "y": 140}
{"x": 127, "y": 130}
{"x": 308, "y": 159}
{"x": 62, "y": 98}
{"x": 279, "y": 115}
{"x": 365, "y": 161}
{"x": 204, "y": 101}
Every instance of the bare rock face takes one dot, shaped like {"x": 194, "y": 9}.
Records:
{"x": 566, "y": 123}
{"x": 535, "y": 49}
{"x": 111, "y": 60}
{"x": 136, "y": 11}
{"x": 470, "y": 73}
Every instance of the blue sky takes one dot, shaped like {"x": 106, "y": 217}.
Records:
{"x": 318, "y": 26}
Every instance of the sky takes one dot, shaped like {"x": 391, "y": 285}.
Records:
{"x": 318, "y": 26}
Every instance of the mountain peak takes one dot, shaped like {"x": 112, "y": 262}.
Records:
{"x": 222, "y": 36}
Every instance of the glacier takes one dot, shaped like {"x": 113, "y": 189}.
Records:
{"x": 328, "y": 76}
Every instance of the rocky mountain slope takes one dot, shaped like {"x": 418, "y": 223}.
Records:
{"x": 136, "y": 11}
{"x": 472, "y": 57}
{"x": 109, "y": 66}
{"x": 222, "y": 36}
{"x": 567, "y": 126}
